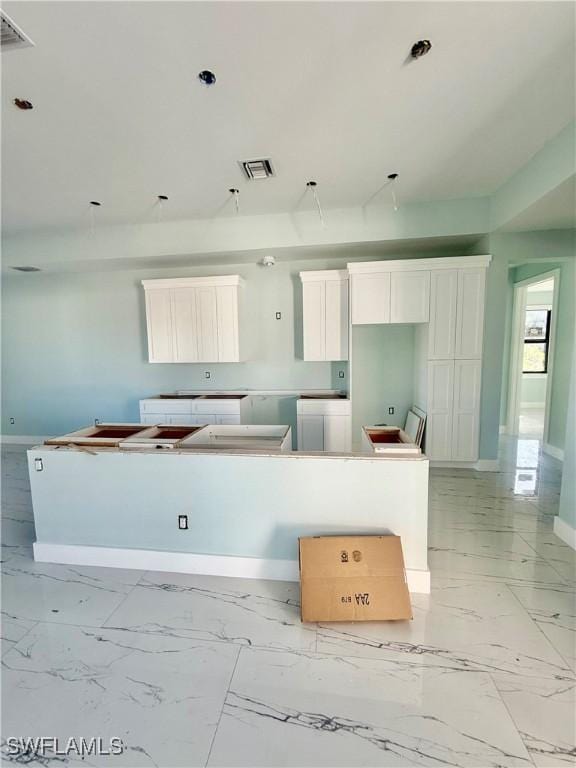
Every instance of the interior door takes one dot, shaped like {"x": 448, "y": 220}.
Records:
{"x": 465, "y": 428}
{"x": 185, "y": 325}
{"x": 207, "y": 324}
{"x": 440, "y": 410}
{"x": 159, "y": 323}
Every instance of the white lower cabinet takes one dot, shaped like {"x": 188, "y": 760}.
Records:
{"x": 156, "y": 410}
{"x": 324, "y": 425}
{"x": 440, "y": 408}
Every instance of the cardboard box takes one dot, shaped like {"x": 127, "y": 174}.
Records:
{"x": 353, "y": 578}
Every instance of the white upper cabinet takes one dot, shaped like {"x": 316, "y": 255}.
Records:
{"x": 325, "y": 314}
{"x": 470, "y": 313}
{"x": 193, "y": 320}
{"x": 159, "y": 323}
{"x": 410, "y": 297}
{"x": 370, "y": 298}
{"x": 442, "y": 330}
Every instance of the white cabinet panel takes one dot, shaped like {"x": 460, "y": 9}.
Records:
{"x": 336, "y": 323}
{"x": 371, "y": 298}
{"x": 228, "y": 419}
{"x": 470, "y": 313}
{"x": 185, "y": 325}
{"x": 325, "y": 314}
{"x": 159, "y": 322}
{"x": 310, "y": 433}
{"x": 207, "y": 324}
{"x": 443, "y": 300}
{"x": 410, "y": 297}
{"x": 465, "y": 428}
{"x": 314, "y": 319}
{"x": 440, "y": 409}
{"x": 337, "y": 433}
{"x": 152, "y": 418}
{"x": 227, "y": 317}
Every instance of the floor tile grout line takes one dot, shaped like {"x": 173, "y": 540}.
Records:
{"x": 547, "y": 639}
{"x": 121, "y": 603}
{"x": 17, "y": 643}
{"x": 227, "y": 691}
{"x": 512, "y": 719}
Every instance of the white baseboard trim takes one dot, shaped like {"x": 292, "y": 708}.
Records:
{"x": 564, "y": 531}
{"x": 187, "y": 562}
{"x": 551, "y": 450}
{"x": 482, "y": 465}
{"x": 532, "y": 406}
{"x": 22, "y": 439}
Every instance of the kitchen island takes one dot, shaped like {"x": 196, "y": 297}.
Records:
{"x": 224, "y": 511}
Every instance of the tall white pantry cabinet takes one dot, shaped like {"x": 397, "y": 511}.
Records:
{"x": 194, "y": 319}
{"x": 444, "y": 298}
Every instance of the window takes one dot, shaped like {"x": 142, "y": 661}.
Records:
{"x": 536, "y": 338}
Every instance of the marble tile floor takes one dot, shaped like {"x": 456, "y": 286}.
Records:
{"x": 193, "y": 671}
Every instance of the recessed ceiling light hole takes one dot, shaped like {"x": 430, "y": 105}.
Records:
{"x": 206, "y": 77}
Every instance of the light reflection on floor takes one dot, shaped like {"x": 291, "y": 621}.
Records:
{"x": 526, "y": 477}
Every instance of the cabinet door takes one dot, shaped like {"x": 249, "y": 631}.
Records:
{"x": 337, "y": 433}
{"x": 440, "y": 409}
{"x": 207, "y": 325}
{"x": 227, "y": 420}
{"x": 181, "y": 418}
{"x": 470, "y": 313}
{"x": 310, "y": 433}
{"x": 185, "y": 325}
{"x": 159, "y": 323}
{"x": 410, "y": 297}
{"x": 443, "y": 299}
{"x": 336, "y": 325}
{"x": 227, "y": 314}
{"x": 371, "y": 298}
{"x": 314, "y": 320}
{"x": 465, "y": 428}
{"x": 153, "y": 418}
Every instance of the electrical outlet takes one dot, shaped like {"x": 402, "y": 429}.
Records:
{"x": 340, "y": 374}
{"x": 183, "y": 522}
{"x": 391, "y": 410}
{"x": 207, "y": 374}
{"x": 12, "y": 420}
{"x": 278, "y": 315}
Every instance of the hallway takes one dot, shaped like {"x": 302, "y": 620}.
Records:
{"x": 221, "y": 672}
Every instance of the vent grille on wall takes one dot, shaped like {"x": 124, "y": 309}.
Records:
{"x": 257, "y": 169}
{"x": 11, "y": 35}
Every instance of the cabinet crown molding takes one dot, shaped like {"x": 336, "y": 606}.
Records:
{"x": 411, "y": 265}
{"x": 324, "y": 274}
{"x": 191, "y": 282}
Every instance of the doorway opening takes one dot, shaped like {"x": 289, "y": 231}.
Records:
{"x": 532, "y": 356}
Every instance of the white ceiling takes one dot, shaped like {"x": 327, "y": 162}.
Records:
{"x": 325, "y": 89}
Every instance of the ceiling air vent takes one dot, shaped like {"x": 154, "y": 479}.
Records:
{"x": 257, "y": 169}
{"x": 27, "y": 269}
{"x": 11, "y": 35}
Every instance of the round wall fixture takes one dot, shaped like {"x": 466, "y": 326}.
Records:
{"x": 207, "y": 77}
{"x": 23, "y": 104}
{"x": 421, "y": 48}
{"x": 162, "y": 197}
{"x": 392, "y": 176}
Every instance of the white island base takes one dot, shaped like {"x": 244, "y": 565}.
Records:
{"x": 244, "y": 510}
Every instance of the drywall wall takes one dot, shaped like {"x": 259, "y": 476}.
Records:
{"x": 382, "y": 375}
{"x": 517, "y": 256}
{"x": 533, "y": 390}
{"x": 567, "y": 508}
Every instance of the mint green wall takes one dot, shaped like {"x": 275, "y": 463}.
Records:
{"x": 382, "y": 375}
{"x": 536, "y": 253}
{"x": 567, "y": 510}
{"x": 74, "y": 347}
{"x": 533, "y": 390}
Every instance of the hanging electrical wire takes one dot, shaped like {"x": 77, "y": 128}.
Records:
{"x": 312, "y": 187}
{"x": 236, "y": 194}
{"x": 94, "y": 204}
{"x": 161, "y": 199}
{"x": 389, "y": 183}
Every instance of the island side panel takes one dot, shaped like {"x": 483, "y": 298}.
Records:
{"x": 242, "y": 505}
